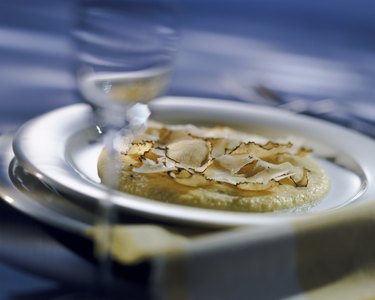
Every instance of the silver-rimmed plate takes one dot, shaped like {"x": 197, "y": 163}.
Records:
{"x": 62, "y": 148}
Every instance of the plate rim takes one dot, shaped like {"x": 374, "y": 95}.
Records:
{"x": 173, "y": 212}
{"x": 27, "y": 203}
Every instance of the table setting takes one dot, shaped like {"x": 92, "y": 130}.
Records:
{"x": 67, "y": 234}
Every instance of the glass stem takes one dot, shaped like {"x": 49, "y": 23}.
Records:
{"x": 106, "y": 218}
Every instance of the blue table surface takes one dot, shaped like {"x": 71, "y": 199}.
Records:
{"x": 315, "y": 50}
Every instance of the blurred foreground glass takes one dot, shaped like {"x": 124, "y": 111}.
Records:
{"x": 125, "y": 51}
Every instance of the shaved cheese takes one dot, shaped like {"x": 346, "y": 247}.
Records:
{"x": 189, "y": 152}
{"x": 233, "y": 163}
{"x": 149, "y": 166}
{"x": 304, "y": 179}
{"x": 250, "y": 169}
{"x": 261, "y": 151}
{"x": 220, "y": 146}
{"x": 194, "y": 156}
{"x": 139, "y": 148}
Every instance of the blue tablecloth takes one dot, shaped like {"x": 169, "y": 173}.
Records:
{"x": 310, "y": 50}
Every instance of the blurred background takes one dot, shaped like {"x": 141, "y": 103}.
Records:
{"x": 264, "y": 51}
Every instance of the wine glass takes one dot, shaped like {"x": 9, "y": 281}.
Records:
{"x": 125, "y": 50}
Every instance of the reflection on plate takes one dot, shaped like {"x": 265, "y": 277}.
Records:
{"x": 62, "y": 149}
{"x": 28, "y": 194}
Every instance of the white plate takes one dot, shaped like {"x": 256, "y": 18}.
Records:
{"x": 62, "y": 149}
{"x": 31, "y": 196}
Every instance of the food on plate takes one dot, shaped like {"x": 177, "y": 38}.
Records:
{"x": 218, "y": 168}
